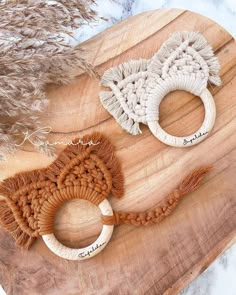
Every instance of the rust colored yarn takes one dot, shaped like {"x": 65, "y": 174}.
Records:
{"x": 189, "y": 184}
{"x": 90, "y": 172}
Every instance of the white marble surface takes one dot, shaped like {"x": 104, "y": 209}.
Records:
{"x": 220, "y": 277}
{"x": 221, "y": 11}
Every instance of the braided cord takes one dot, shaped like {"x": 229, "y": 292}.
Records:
{"x": 188, "y": 185}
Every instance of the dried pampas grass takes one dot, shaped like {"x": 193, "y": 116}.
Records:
{"x": 35, "y": 51}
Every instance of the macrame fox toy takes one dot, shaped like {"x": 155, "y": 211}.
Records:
{"x": 87, "y": 171}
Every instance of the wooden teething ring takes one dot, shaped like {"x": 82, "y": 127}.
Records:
{"x": 184, "y": 141}
{"x": 87, "y": 252}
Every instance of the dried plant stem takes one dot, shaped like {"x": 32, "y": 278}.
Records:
{"x": 34, "y": 51}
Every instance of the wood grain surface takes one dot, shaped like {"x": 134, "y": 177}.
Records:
{"x": 160, "y": 259}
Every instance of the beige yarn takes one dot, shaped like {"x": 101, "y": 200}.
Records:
{"x": 185, "y": 61}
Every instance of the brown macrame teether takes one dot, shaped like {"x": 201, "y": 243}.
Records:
{"x": 87, "y": 171}
{"x": 184, "y": 62}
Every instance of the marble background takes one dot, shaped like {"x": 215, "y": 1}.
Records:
{"x": 221, "y": 11}
{"x": 220, "y": 277}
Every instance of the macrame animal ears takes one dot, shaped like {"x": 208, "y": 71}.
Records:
{"x": 187, "y": 54}
{"x": 86, "y": 169}
{"x": 184, "y": 62}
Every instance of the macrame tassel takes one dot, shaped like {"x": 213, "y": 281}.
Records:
{"x": 188, "y": 185}
{"x": 7, "y": 221}
{"x": 193, "y": 180}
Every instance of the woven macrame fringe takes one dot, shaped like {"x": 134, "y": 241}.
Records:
{"x": 198, "y": 43}
{"x": 104, "y": 150}
{"x": 109, "y": 99}
{"x": 12, "y": 184}
{"x": 102, "y": 147}
{"x": 8, "y": 222}
{"x": 113, "y": 106}
{"x": 122, "y": 71}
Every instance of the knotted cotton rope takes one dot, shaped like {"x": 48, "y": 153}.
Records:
{"x": 90, "y": 172}
{"x": 184, "y": 62}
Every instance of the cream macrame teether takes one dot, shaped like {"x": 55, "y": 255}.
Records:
{"x": 90, "y": 172}
{"x": 184, "y": 62}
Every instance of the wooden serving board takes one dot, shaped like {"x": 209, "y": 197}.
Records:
{"x": 160, "y": 259}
